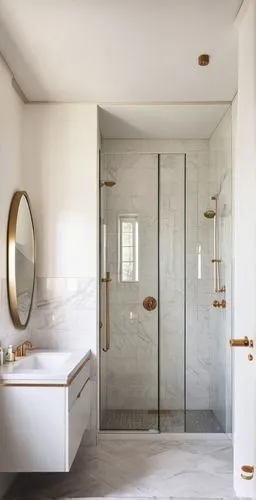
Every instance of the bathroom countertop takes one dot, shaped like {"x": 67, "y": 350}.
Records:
{"x": 44, "y": 366}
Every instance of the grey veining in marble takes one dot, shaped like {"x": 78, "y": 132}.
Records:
{"x": 138, "y": 469}
{"x": 65, "y": 313}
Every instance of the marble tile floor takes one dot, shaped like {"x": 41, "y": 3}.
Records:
{"x": 159, "y": 467}
{"x": 192, "y": 421}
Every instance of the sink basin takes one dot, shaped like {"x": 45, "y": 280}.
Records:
{"x": 51, "y": 361}
{"x": 43, "y": 366}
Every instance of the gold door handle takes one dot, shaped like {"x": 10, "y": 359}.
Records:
{"x": 245, "y": 342}
{"x": 247, "y": 472}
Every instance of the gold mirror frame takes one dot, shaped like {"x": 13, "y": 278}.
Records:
{"x": 11, "y": 259}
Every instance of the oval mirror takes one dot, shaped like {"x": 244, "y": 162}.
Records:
{"x": 20, "y": 259}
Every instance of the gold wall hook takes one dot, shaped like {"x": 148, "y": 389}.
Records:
{"x": 245, "y": 342}
{"x": 220, "y": 304}
{"x": 247, "y": 472}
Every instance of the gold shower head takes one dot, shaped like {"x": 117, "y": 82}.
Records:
{"x": 108, "y": 184}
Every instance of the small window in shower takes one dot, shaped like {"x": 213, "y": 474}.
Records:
{"x": 128, "y": 248}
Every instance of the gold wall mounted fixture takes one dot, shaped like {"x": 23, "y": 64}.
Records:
{"x": 220, "y": 304}
{"x": 247, "y": 472}
{"x": 245, "y": 342}
{"x": 203, "y": 59}
{"x": 107, "y": 184}
{"x": 213, "y": 214}
{"x": 20, "y": 259}
{"x": 107, "y": 279}
{"x": 150, "y": 303}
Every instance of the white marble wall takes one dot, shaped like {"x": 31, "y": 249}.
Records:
{"x": 220, "y": 320}
{"x": 64, "y": 314}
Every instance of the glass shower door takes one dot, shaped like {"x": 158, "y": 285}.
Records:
{"x": 172, "y": 335}
{"x": 129, "y": 292}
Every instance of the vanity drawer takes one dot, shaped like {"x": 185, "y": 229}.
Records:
{"x": 78, "y": 421}
{"x": 78, "y": 383}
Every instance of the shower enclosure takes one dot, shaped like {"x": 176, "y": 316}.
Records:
{"x": 157, "y": 371}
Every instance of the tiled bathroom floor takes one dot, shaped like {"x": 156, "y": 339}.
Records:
{"x": 159, "y": 467}
{"x": 202, "y": 421}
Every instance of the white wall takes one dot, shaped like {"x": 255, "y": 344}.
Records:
{"x": 60, "y": 166}
{"x": 244, "y": 186}
{"x": 220, "y": 319}
{"x": 11, "y": 180}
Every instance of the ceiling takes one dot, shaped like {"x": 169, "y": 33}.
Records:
{"x": 181, "y": 121}
{"x": 121, "y": 50}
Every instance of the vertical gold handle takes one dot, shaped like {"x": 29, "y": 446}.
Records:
{"x": 107, "y": 280}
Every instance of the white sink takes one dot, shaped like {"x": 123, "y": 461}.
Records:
{"x": 43, "y": 365}
{"x": 43, "y": 361}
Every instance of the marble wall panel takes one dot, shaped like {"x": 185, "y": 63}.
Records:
{"x": 64, "y": 316}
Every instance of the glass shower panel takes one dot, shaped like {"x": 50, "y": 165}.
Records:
{"x": 129, "y": 285}
{"x": 172, "y": 292}
{"x": 200, "y": 414}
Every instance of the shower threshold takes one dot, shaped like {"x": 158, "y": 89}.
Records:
{"x": 173, "y": 421}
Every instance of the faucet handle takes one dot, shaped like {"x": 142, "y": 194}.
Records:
{"x": 18, "y": 351}
{"x": 27, "y": 345}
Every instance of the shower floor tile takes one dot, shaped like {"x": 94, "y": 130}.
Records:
{"x": 201, "y": 421}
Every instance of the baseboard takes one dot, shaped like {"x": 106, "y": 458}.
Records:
{"x": 6, "y": 479}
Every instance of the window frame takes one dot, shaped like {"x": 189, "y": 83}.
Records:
{"x": 133, "y": 219}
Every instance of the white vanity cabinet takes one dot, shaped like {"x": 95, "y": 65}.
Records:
{"x": 42, "y": 424}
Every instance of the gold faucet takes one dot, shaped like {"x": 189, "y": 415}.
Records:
{"x": 21, "y": 349}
